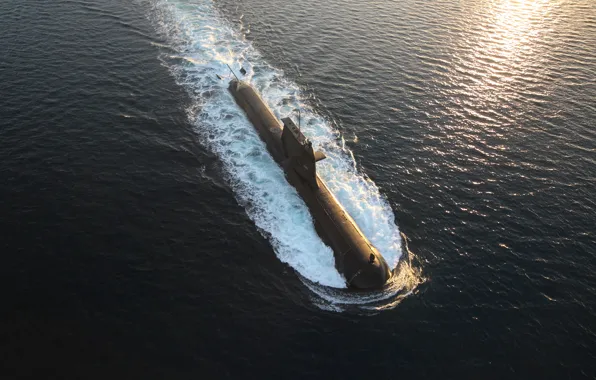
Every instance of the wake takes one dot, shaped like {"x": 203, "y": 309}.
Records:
{"x": 202, "y": 44}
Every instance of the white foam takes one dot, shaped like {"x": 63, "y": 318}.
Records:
{"x": 205, "y": 43}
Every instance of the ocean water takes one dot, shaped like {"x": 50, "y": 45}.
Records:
{"x": 147, "y": 232}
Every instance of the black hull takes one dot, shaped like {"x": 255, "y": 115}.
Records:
{"x": 355, "y": 257}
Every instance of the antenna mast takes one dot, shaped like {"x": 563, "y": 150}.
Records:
{"x": 233, "y": 72}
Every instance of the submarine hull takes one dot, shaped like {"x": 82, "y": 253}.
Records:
{"x": 356, "y": 258}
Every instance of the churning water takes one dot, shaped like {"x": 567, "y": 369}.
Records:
{"x": 203, "y": 43}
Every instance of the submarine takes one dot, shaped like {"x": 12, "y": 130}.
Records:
{"x": 356, "y": 258}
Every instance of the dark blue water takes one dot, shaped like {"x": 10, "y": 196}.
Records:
{"x": 133, "y": 244}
